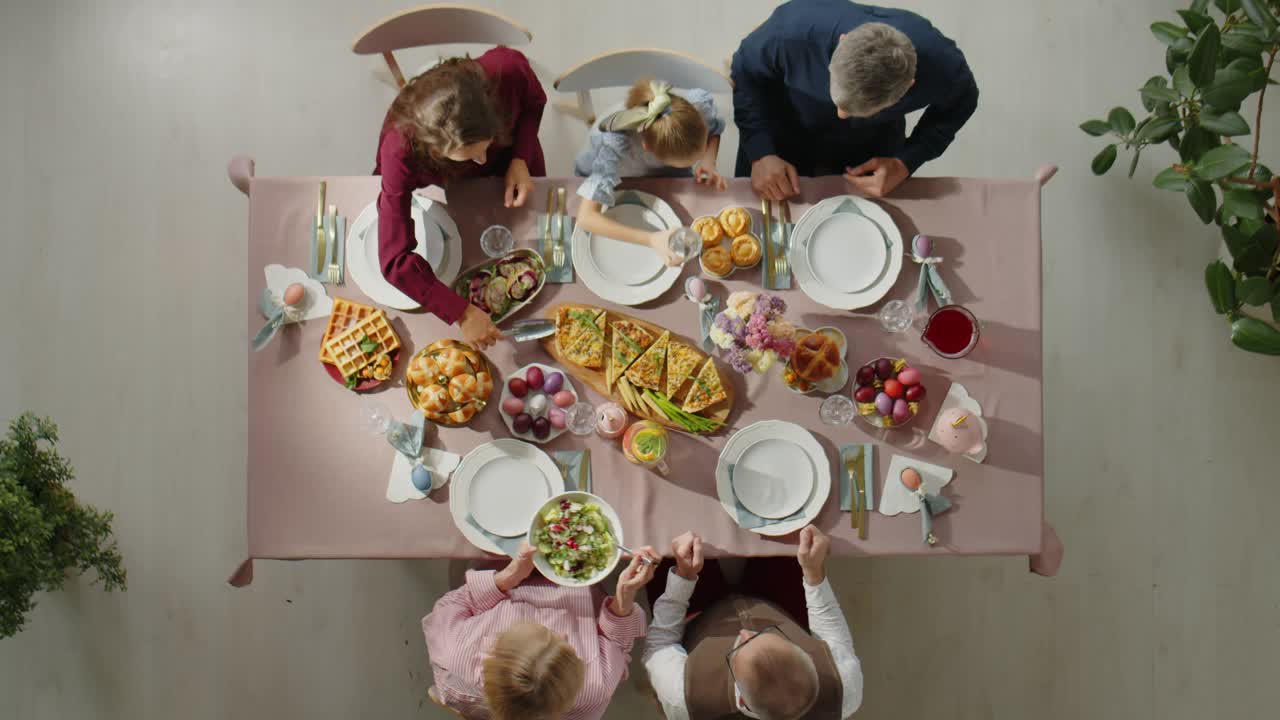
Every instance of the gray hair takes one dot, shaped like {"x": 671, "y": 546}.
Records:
{"x": 871, "y": 69}
{"x": 782, "y": 684}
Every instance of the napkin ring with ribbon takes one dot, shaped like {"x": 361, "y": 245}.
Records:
{"x": 930, "y": 281}
{"x": 930, "y": 505}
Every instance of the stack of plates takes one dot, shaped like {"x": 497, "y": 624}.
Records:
{"x": 622, "y": 272}
{"x": 779, "y": 469}
{"x": 501, "y": 484}
{"x": 439, "y": 243}
{"x": 846, "y": 252}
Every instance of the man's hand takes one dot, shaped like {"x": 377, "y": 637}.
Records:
{"x": 478, "y": 330}
{"x": 877, "y": 177}
{"x": 774, "y": 178}
{"x": 520, "y": 567}
{"x": 812, "y": 554}
{"x": 687, "y": 549}
{"x": 637, "y": 575}
{"x": 519, "y": 184}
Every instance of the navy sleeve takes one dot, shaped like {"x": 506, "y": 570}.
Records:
{"x": 755, "y": 70}
{"x": 943, "y": 119}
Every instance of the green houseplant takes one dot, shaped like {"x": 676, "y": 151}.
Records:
{"x": 44, "y": 531}
{"x": 1216, "y": 57}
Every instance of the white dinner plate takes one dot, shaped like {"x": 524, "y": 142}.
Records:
{"x": 501, "y": 493}
{"x": 831, "y": 297}
{"x": 847, "y": 252}
{"x": 743, "y": 439}
{"x": 441, "y": 250}
{"x": 625, "y": 273}
{"x": 773, "y": 477}
{"x": 623, "y": 262}
{"x": 525, "y": 505}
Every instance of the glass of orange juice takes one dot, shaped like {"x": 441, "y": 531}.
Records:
{"x": 645, "y": 444}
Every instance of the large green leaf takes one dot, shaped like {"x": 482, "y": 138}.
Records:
{"x": 1121, "y": 120}
{"x": 1096, "y": 128}
{"x": 1203, "y": 62}
{"x": 1157, "y": 130}
{"x": 1182, "y": 82}
{"x": 1221, "y": 286}
{"x": 1197, "y": 141}
{"x": 1226, "y": 123}
{"x": 1103, "y": 161}
{"x": 1167, "y": 32}
{"x": 1157, "y": 90}
{"x": 1222, "y": 161}
{"x": 1202, "y": 198}
{"x": 1251, "y": 253}
{"x": 1229, "y": 89}
{"x": 1227, "y": 6}
{"x": 1199, "y": 6}
{"x": 1260, "y": 15}
{"x": 1196, "y": 20}
{"x": 1243, "y": 42}
{"x": 1254, "y": 291}
{"x": 1242, "y": 203}
{"x": 1255, "y": 335}
{"x": 1171, "y": 179}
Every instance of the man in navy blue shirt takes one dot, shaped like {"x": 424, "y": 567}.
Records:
{"x": 823, "y": 87}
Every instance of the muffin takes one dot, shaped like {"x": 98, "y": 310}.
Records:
{"x": 745, "y": 251}
{"x": 735, "y": 220}
{"x": 710, "y": 231}
{"x": 716, "y": 261}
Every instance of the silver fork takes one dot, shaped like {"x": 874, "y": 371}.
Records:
{"x": 557, "y": 251}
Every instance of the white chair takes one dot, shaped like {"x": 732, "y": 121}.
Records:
{"x": 622, "y": 68}
{"x": 437, "y": 25}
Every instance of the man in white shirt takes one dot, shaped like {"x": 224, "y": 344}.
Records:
{"x": 745, "y": 657}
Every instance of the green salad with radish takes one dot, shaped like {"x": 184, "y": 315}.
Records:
{"x": 576, "y": 540}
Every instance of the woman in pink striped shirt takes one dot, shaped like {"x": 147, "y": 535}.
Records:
{"x": 505, "y": 646}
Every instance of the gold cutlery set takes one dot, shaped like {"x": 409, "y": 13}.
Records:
{"x": 329, "y": 240}
{"x": 775, "y": 255}
{"x": 553, "y": 231}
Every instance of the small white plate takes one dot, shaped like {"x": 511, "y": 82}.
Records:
{"x": 847, "y": 252}
{"x": 460, "y": 485}
{"x": 623, "y": 262}
{"x": 503, "y": 492}
{"x": 443, "y": 255}
{"x": 773, "y": 478}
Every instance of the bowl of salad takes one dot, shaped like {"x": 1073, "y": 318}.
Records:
{"x": 576, "y": 536}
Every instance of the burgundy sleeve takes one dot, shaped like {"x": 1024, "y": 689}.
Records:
{"x": 528, "y": 102}
{"x": 401, "y": 266}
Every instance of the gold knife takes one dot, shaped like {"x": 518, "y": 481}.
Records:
{"x": 322, "y": 258}
{"x": 546, "y": 236}
{"x": 584, "y": 471}
{"x": 559, "y": 237}
{"x": 851, "y": 468}
{"x": 766, "y": 209}
{"x": 861, "y": 487}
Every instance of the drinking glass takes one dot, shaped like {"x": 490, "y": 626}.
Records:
{"x": 684, "y": 244}
{"x": 895, "y": 316}
{"x": 496, "y": 241}
{"x": 645, "y": 444}
{"x": 580, "y": 418}
{"x": 836, "y": 410}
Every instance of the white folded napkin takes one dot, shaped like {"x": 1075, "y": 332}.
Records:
{"x": 896, "y": 498}
{"x": 400, "y": 485}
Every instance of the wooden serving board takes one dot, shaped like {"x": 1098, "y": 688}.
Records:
{"x": 596, "y": 377}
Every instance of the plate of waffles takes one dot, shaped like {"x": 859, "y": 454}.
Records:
{"x": 359, "y": 348}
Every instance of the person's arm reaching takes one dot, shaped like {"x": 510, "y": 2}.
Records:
{"x": 942, "y": 120}
{"x": 401, "y": 266}
{"x": 826, "y": 622}
{"x": 596, "y": 193}
{"x": 664, "y": 657}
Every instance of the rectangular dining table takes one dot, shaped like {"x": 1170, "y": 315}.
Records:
{"x": 317, "y": 481}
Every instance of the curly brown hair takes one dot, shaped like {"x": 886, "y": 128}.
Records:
{"x": 445, "y": 108}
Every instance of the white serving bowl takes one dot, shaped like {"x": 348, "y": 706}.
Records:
{"x": 610, "y": 515}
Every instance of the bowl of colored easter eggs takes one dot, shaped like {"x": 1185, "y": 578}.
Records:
{"x": 534, "y": 399}
{"x": 888, "y": 392}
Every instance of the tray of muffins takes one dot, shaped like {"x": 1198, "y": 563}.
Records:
{"x": 729, "y": 242}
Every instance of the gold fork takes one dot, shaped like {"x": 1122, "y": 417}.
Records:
{"x": 557, "y": 253}
{"x": 771, "y": 267}
{"x": 334, "y": 274}
{"x": 546, "y": 235}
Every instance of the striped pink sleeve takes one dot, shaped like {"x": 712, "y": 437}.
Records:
{"x": 479, "y": 594}
{"x": 620, "y": 631}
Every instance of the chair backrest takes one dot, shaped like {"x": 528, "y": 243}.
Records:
{"x": 621, "y": 68}
{"x": 440, "y": 25}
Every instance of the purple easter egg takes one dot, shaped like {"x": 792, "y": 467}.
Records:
{"x": 884, "y": 404}
{"x": 901, "y": 411}
{"x": 922, "y": 245}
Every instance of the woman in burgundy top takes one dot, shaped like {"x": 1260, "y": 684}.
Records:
{"x": 462, "y": 118}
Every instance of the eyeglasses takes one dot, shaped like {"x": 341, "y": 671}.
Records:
{"x": 728, "y": 658}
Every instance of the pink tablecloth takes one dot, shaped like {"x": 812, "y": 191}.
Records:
{"x": 316, "y": 482}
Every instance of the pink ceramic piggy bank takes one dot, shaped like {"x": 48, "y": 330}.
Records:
{"x": 959, "y": 431}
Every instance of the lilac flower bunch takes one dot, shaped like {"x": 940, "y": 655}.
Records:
{"x": 751, "y": 332}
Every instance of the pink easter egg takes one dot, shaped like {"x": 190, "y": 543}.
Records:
{"x": 294, "y": 294}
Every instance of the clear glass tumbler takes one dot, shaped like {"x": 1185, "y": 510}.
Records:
{"x": 497, "y": 241}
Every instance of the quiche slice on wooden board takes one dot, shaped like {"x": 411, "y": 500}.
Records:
{"x": 707, "y": 389}
{"x": 629, "y": 341}
{"x": 682, "y": 361}
{"x": 647, "y": 370}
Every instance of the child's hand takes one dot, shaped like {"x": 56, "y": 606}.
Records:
{"x": 707, "y": 175}
{"x": 660, "y": 241}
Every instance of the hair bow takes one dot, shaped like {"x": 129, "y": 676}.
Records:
{"x": 639, "y": 118}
